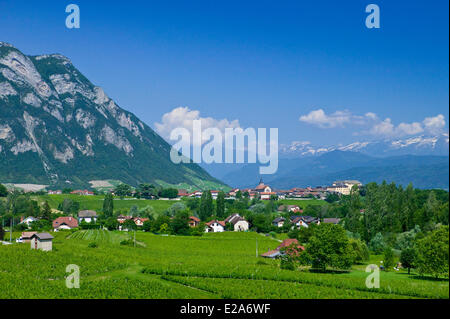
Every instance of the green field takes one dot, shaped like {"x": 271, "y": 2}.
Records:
{"x": 217, "y": 265}
{"x": 96, "y": 202}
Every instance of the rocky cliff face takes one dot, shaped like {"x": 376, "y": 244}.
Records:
{"x": 56, "y": 127}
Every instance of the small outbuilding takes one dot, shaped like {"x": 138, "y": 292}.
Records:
{"x": 42, "y": 241}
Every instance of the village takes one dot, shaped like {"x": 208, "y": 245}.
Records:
{"x": 235, "y": 222}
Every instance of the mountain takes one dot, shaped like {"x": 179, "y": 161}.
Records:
{"x": 59, "y": 129}
{"x": 415, "y": 145}
{"x": 422, "y": 171}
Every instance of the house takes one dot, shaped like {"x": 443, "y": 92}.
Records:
{"x": 140, "y": 221}
{"x": 304, "y": 221}
{"x": 58, "y": 192}
{"x": 183, "y": 193}
{"x": 121, "y": 219}
{"x": 64, "y": 223}
{"x": 267, "y": 195}
{"x": 215, "y": 226}
{"x": 26, "y": 236}
{"x": 42, "y": 241}
{"x": 196, "y": 194}
{"x": 343, "y": 187}
{"x": 214, "y": 194}
{"x": 290, "y": 208}
{"x": 193, "y": 221}
{"x": 28, "y": 220}
{"x": 239, "y": 223}
{"x": 82, "y": 192}
{"x": 87, "y": 215}
{"x": 331, "y": 221}
{"x": 279, "y": 221}
{"x": 278, "y": 252}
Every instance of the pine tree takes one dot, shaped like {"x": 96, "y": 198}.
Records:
{"x": 108, "y": 205}
{"x": 46, "y": 211}
{"x": 220, "y": 202}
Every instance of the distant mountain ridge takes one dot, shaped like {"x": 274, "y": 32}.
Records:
{"x": 414, "y": 145}
{"x": 422, "y": 171}
{"x": 57, "y": 128}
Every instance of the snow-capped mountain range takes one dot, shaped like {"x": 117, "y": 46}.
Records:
{"x": 416, "y": 145}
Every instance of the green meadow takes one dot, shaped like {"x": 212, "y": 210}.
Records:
{"x": 95, "y": 202}
{"x": 216, "y": 265}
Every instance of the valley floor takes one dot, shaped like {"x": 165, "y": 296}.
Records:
{"x": 216, "y": 265}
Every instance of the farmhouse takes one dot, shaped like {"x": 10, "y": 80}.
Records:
{"x": 215, "y": 226}
{"x": 26, "y": 236}
{"x": 121, "y": 219}
{"x": 42, "y": 241}
{"x": 64, "y": 223}
{"x": 193, "y": 221}
{"x": 239, "y": 223}
{"x": 87, "y": 216}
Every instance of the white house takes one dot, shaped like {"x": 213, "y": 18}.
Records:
{"x": 238, "y": 222}
{"x": 215, "y": 226}
{"x": 87, "y": 215}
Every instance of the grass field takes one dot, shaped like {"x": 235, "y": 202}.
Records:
{"x": 217, "y": 265}
{"x": 96, "y": 202}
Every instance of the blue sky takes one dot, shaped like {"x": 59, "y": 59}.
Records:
{"x": 261, "y": 63}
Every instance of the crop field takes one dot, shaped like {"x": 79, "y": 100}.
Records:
{"x": 216, "y": 265}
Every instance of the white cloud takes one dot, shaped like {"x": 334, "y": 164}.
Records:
{"x": 375, "y": 126}
{"x": 434, "y": 125}
{"x": 183, "y": 117}
{"x": 337, "y": 119}
{"x": 322, "y": 120}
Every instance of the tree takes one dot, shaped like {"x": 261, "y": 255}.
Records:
{"x": 332, "y": 197}
{"x": 206, "y": 206}
{"x": 130, "y": 225}
{"x": 433, "y": 253}
{"x": 3, "y": 191}
{"x": 180, "y": 224}
{"x": 46, "y": 211}
{"x": 360, "y": 250}
{"x": 111, "y": 223}
{"x": 108, "y": 205}
{"x": 408, "y": 257}
{"x": 377, "y": 244}
{"x": 329, "y": 247}
{"x": 2, "y": 232}
{"x": 122, "y": 190}
{"x": 169, "y": 193}
{"x": 220, "y": 203}
{"x": 388, "y": 258}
